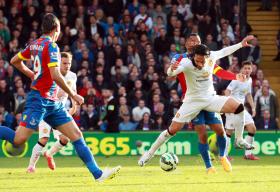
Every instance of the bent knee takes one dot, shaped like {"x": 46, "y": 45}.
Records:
{"x": 239, "y": 109}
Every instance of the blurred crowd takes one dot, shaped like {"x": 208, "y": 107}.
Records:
{"x": 121, "y": 49}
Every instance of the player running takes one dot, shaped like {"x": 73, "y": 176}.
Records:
{"x": 205, "y": 117}
{"x": 42, "y": 102}
{"x": 45, "y": 129}
{"x": 241, "y": 91}
{"x": 201, "y": 96}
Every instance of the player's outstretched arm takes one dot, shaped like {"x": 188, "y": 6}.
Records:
{"x": 231, "y": 49}
{"x": 177, "y": 67}
{"x": 16, "y": 61}
{"x": 251, "y": 103}
{"x": 58, "y": 78}
{"x": 227, "y": 75}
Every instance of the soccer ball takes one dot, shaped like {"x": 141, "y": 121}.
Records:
{"x": 168, "y": 161}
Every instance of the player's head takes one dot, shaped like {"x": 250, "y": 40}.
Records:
{"x": 247, "y": 68}
{"x": 193, "y": 39}
{"x": 107, "y": 92}
{"x": 51, "y": 26}
{"x": 66, "y": 60}
{"x": 200, "y": 54}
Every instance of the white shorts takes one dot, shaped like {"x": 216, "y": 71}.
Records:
{"x": 45, "y": 131}
{"x": 230, "y": 119}
{"x": 191, "y": 107}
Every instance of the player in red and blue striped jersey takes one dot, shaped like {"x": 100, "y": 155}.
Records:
{"x": 42, "y": 102}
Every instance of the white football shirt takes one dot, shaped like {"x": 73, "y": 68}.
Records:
{"x": 71, "y": 80}
{"x": 239, "y": 89}
{"x": 200, "y": 81}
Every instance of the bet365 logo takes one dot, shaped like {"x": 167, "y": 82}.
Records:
{"x": 14, "y": 151}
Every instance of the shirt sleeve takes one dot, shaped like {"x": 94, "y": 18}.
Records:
{"x": 54, "y": 55}
{"x": 216, "y": 55}
{"x": 74, "y": 86}
{"x": 184, "y": 64}
{"x": 231, "y": 86}
{"x": 223, "y": 74}
{"x": 25, "y": 54}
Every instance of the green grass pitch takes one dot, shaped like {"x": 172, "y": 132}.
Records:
{"x": 71, "y": 175}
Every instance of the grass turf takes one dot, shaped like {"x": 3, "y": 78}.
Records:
{"x": 71, "y": 175}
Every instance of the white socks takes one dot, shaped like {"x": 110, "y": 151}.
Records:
{"x": 239, "y": 125}
{"x": 162, "y": 138}
{"x": 36, "y": 152}
{"x": 228, "y": 140}
{"x": 249, "y": 139}
{"x": 55, "y": 148}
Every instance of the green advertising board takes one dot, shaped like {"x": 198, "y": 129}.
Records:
{"x": 135, "y": 143}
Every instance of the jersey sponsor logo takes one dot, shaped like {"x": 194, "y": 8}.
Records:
{"x": 177, "y": 115}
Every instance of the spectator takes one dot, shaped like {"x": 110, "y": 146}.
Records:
{"x": 266, "y": 5}
{"x": 162, "y": 43}
{"x": 123, "y": 107}
{"x": 254, "y": 52}
{"x": 268, "y": 102}
{"x": 6, "y": 97}
{"x": 126, "y": 124}
{"x": 212, "y": 45}
{"x": 266, "y": 122}
{"x": 20, "y": 97}
{"x": 138, "y": 112}
{"x": 144, "y": 17}
{"x": 112, "y": 111}
{"x": 146, "y": 123}
{"x": 277, "y": 58}
{"x": 91, "y": 118}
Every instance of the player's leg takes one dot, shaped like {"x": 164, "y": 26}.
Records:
{"x": 186, "y": 113}
{"x": 251, "y": 128}
{"x": 162, "y": 138}
{"x": 230, "y": 105}
{"x": 215, "y": 122}
{"x": 59, "y": 118}
{"x": 59, "y": 144}
{"x": 228, "y": 138}
{"x": 44, "y": 134}
{"x": 203, "y": 147}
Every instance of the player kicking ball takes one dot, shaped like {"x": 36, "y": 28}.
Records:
{"x": 45, "y": 129}
{"x": 201, "y": 95}
{"x": 42, "y": 102}
{"x": 205, "y": 117}
{"x": 241, "y": 91}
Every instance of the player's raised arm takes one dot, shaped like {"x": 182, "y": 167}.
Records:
{"x": 178, "y": 67}
{"x": 231, "y": 49}
{"x": 227, "y": 75}
{"x": 16, "y": 61}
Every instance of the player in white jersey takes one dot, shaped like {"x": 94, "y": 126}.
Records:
{"x": 201, "y": 95}
{"x": 45, "y": 129}
{"x": 241, "y": 91}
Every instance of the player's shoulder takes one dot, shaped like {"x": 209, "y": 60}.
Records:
{"x": 72, "y": 75}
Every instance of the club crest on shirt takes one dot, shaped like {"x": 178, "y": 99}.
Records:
{"x": 210, "y": 62}
{"x": 177, "y": 115}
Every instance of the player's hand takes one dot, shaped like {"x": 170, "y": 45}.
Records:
{"x": 174, "y": 66}
{"x": 246, "y": 40}
{"x": 72, "y": 111}
{"x": 240, "y": 77}
{"x": 253, "y": 112}
{"x": 79, "y": 99}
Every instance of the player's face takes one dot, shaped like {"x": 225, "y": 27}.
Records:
{"x": 65, "y": 65}
{"x": 199, "y": 61}
{"x": 191, "y": 42}
{"x": 247, "y": 70}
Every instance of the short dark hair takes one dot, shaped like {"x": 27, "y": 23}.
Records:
{"x": 247, "y": 62}
{"x": 66, "y": 55}
{"x": 192, "y": 35}
{"x": 50, "y": 22}
{"x": 201, "y": 50}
